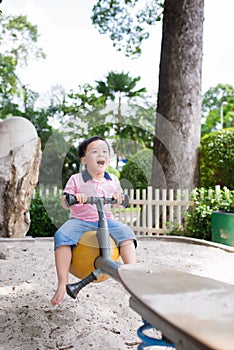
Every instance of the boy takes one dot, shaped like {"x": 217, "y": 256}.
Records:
{"x": 94, "y": 153}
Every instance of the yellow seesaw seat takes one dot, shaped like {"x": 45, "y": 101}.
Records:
{"x": 85, "y": 254}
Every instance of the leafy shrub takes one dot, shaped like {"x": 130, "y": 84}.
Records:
{"x": 44, "y": 222}
{"x": 198, "y": 217}
{"x": 113, "y": 171}
{"x": 138, "y": 169}
{"x": 216, "y": 159}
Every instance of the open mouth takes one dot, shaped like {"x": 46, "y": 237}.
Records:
{"x": 101, "y": 162}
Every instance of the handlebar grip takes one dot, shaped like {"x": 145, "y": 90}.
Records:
{"x": 74, "y": 288}
{"x": 70, "y": 199}
{"x": 125, "y": 201}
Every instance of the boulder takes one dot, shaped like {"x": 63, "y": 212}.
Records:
{"x": 20, "y": 156}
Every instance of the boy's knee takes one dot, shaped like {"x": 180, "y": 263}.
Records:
{"x": 61, "y": 240}
{"x": 128, "y": 242}
{"x": 58, "y": 236}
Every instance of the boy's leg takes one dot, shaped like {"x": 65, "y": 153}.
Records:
{"x": 65, "y": 237}
{"x": 128, "y": 252}
{"x": 125, "y": 238}
{"x": 63, "y": 256}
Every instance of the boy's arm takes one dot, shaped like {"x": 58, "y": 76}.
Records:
{"x": 118, "y": 192}
{"x": 72, "y": 187}
{"x": 64, "y": 205}
{"x": 119, "y": 198}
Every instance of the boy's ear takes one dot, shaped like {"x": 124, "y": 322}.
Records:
{"x": 83, "y": 161}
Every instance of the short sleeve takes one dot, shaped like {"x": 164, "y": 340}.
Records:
{"x": 72, "y": 185}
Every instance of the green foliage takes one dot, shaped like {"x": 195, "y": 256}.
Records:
{"x": 71, "y": 165}
{"x": 18, "y": 40}
{"x": 80, "y": 114}
{"x": 215, "y": 99}
{"x": 138, "y": 169}
{"x": 113, "y": 171}
{"x": 86, "y": 113}
{"x": 59, "y": 161}
{"x": 117, "y": 86}
{"x": 44, "y": 223}
{"x": 217, "y": 159}
{"x": 120, "y": 83}
{"x": 126, "y": 23}
{"x": 198, "y": 217}
{"x": 41, "y": 224}
{"x": 38, "y": 117}
{"x": 8, "y": 77}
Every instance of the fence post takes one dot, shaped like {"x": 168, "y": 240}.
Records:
{"x": 144, "y": 208}
{"x": 138, "y": 208}
{"x": 131, "y": 194}
{"x": 171, "y": 207}
{"x": 217, "y": 192}
{"x": 55, "y": 191}
{"x": 178, "y": 197}
{"x": 164, "y": 208}
{"x": 149, "y": 207}
{"x": 157, "y": 208}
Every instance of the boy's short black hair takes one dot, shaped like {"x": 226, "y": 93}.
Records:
{"x": 84, "y": 144}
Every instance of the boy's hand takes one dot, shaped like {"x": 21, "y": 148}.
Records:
{"x": 118, "y": 197}
{"x": 81, "y": 198}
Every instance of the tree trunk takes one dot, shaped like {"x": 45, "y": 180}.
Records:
{"x": 177, "y": 136}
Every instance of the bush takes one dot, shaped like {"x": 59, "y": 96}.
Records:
{"x": 113, "y": 171}
{"x": 44, "y": 223}
{"x": 216, "y": 159}
{"x": 138, "y": 170}
{"x": 198, "y": 217}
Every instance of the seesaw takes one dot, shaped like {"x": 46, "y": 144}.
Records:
{"x": 96, "y": 257}
{"x": 194, "y": 312}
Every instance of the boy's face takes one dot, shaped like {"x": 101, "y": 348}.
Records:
{"x": 97, "y": 157}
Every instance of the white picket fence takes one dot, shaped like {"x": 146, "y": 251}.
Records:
{"x": 155, "y": 212}
{"x": 152, "y": 212}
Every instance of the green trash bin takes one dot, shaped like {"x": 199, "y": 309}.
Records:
{"x": 222, "y": 225}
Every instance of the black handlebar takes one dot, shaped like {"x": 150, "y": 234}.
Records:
{"x": 70, "y": 200}
{"x": 74, "y": 288}
{"x": 104, "y": 262}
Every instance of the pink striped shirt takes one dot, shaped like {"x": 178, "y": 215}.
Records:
{"x": 84, "y": 183}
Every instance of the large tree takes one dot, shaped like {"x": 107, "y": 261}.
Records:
{"x": 179, "y": 96}
{"x": 177, "y": 132}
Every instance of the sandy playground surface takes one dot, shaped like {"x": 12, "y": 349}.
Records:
{"x": 100, "y": 318}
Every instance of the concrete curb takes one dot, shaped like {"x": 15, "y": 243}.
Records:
{"x": 176, "y": 239}
{"x": 189, "y": 240}
{"x": 27, "y": 239}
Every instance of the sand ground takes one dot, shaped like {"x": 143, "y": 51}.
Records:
{"x": 100, "y": 318}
